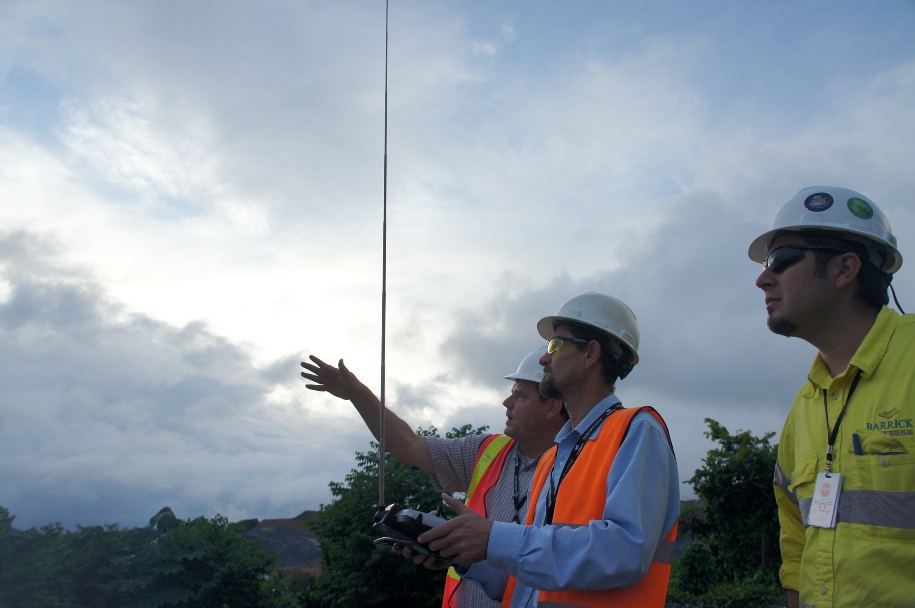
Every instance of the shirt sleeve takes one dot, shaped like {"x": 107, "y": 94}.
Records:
{"x": 492, "y": 581}
{"x": 453, "y": 461}
{"x": 643, "y": 502}
{"x": 792, "y": 536}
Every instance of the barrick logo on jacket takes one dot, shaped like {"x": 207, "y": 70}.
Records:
{"x": 889, "y": 413}
{"x": 903, "y": 426}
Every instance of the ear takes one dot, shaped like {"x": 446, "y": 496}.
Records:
{"x": 553, "y": 408}
{"x": 848, "y": 266}
{"x": 592, "y": 353}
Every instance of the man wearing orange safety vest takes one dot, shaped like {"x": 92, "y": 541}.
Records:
{"x": 494, "y": 471}
{"x": 604, "y": 521}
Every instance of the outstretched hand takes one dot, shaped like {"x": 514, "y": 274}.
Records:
{"x": 464, "y": 539}
{"x": 339, "y": 382}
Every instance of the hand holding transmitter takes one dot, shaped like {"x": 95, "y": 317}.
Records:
{"x": 401, "y": 526}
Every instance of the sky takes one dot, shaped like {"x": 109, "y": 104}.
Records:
{"x": 193, "y": 200}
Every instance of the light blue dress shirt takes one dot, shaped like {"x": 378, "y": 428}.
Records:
{"x": 643, "y": 503}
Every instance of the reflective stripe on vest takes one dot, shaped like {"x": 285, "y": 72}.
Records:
{"x": 486, "y": 471}
{"x": 490, "y": 449}
{"x": 580, "y": 501}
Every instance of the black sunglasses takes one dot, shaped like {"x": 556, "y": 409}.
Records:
{"x": 787, "y": 256}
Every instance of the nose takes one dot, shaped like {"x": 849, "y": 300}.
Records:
{"x": 507, "y": 402}
{"x": 765, "y": 279}
{"x": 545, "y": 359}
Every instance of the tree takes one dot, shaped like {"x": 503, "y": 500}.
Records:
{"x": 204, "y": 563}
{"x": 735, "y": 526}
{"x": 355, "y": 571}
{"x": 199, "y": 563}
{"x": 52, "y": 566}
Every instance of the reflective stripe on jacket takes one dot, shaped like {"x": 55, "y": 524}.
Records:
{"x": 486, "y": 471}
{"x": 580, "y": 500}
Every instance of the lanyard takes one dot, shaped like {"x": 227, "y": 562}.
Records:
{"x": 831, "y": 435}
{"x": 579, "y": 446}
{"x": 518, "y": 499}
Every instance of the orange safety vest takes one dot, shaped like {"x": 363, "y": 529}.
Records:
{"x": 486, "y": 471}
{"x": 581, "y": 500}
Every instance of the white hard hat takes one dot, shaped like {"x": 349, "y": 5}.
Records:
{"x": 837, "y": 210}
{"x": 530, "y": 368}
{"x": 599, "y": 311}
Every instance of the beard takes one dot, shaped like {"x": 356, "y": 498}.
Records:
{"x": 548, "y": 388}
{"x": 780, "y": 326}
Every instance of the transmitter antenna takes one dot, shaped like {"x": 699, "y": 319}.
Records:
{"x": 396, "y": 525}
{"x": 384, "y": 268}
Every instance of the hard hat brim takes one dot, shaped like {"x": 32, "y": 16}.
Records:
{"x": 759, "y": 248}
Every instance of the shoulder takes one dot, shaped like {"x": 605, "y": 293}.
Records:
{"x": 646, "y": 427}
{"x": 470, "y": 443}
{"x": 645, "y": 419}
{"x": 905, "y": 328}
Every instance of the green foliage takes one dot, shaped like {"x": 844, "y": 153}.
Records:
{"x": 464, "y": 431}
{"x": 200, "y": 563}
{"x": 734, "y": 551}
{"x": 355, "y": 571}
{"x": 54, "y": 567}
{"x": 698, "y": 570}
{"x": 760, "y": 590}
{"x": 206, "y": 563}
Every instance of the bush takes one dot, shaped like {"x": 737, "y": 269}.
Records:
{"x": 733, "y": 559}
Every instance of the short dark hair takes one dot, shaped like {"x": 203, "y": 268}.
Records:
{"x": 543, "y": 399}
{"x": 612, "y": 366}
{"x": 873, "y": 283}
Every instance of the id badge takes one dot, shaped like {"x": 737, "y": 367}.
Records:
{"x": 825, "y": 504}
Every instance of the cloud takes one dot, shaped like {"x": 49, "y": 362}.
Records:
{"x": 109, "y": 414}
{"x": 193, "y": 196}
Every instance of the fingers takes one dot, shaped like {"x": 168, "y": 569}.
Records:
{"x": 320, "y": 380}
{"x": 322, "y": 372}
{"x": 319, "y": 366}
{"x": 318, "y": 361}
{"x": 310, "y": 368}
{"x": 455, "y": 504}
{"x": 438, "y": 531}
{"x": 420, "y": 559}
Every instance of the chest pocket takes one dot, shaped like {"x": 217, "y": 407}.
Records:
{"x": 881, "y": 487}
{"x": 803, "y": 477}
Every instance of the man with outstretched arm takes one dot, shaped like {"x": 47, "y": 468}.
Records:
{"x": 604, "y": 521}
{"x": 495, "y": 471}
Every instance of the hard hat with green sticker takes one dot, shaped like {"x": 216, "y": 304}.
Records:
{"x": 838, "y": 210}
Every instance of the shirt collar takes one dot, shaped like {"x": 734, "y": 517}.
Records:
{"x": 868, "y": 356}
{"x": 602, "y": 405}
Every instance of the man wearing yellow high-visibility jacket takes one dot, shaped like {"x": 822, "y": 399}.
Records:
{"x": 845, "y": 477}
{"x": 495, "y": 471}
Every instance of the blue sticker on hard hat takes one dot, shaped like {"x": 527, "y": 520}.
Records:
{"x": 821, "y": 201}
{"x": 860, "y": 208}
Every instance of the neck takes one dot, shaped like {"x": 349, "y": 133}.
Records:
{"x": 580, "y": 406}
{"x": 839, "y": 343}
{"x": 534, "y": 448}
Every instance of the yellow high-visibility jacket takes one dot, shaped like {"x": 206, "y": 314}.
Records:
{"x": 868, "y": 559}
